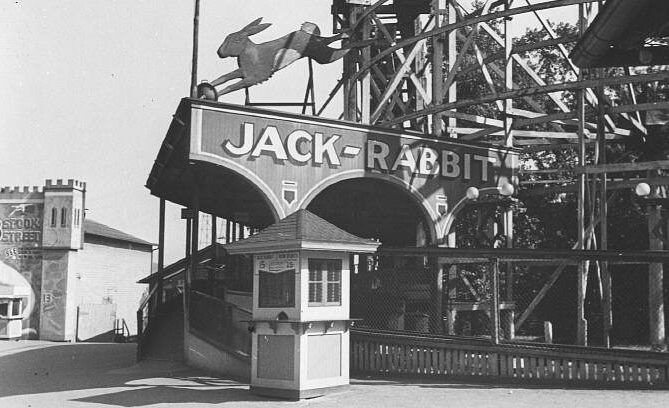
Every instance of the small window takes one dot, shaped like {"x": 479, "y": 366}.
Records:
{"x": 76, "y": 217}
{"x": 63, "y": 217}
{"x": 276, "y": 289}
{"x": 324, "y": 282}
{"x": 4, "y": 308}
{"x": 54, "y": 216}
{"x": 16, "y": 308}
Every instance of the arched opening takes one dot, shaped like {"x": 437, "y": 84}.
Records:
{"x": 382, "y": 286}
{"x": 373, "y": 208}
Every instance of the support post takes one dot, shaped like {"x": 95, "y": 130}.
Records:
{"x": 193, "y": 261}
{"x": 437, "y": 290}
{"x": 196, "y": 27}
{"x": 607, "y": 309}
{"x": 494, "y": 306}
{"x": 365, "y": 81}
{"x": 508, "y": 78}
{"x": 451, "y": 40}
{"x": 161, "y": 252}
{"x": 581, "y": 323}
{"x": 548, "y": 332}
{"x": 351, "y": 87}
{"x": 186, "y": 278}
{"x": 655, "y": 276}
{"x": 438, "y": 9}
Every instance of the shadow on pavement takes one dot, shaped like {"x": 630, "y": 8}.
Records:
{"x": 96, "y": 367}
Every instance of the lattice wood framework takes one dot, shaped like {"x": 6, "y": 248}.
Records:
{"x": 420, "y": 50}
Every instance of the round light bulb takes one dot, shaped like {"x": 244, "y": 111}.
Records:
{"x": 472, "y": 193}
{"x": 506, "y": 189}
{"x": 642, "y": 189}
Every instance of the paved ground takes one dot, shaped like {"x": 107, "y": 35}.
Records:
{"x": 40, "y": 374}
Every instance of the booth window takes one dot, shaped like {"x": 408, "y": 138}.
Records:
{"x": 54, "y": 216}
{"x": 63, "y": 217}
{"x": 276, "y": 289}
{"x": 324, "y": 282}
{"x": 4, "y": 309}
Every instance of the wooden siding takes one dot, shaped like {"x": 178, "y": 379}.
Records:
{"x": 386, "y": 353}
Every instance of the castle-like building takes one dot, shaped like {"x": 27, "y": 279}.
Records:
{"x": 62, "y": 276}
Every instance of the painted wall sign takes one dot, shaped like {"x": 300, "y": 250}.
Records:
{"x": 21, "y": 251}
{"x": 270, "y": 149}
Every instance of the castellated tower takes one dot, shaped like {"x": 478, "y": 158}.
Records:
{"x": 62, "y": 237}
{"x": 63, "y": 214}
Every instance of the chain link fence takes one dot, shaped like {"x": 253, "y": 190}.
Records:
{"x": 537, "y": 301}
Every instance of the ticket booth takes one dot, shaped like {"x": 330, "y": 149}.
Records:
{"x": 301, "y": 285}
{"x": 11, "y": 310}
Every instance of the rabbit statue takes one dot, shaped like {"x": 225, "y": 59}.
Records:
{"x": 258, "y": 62}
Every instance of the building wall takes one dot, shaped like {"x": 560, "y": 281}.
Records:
{"x": 107, "y": 273}
{"x": 21, "y": 217}
{"x": 57, "y": 303}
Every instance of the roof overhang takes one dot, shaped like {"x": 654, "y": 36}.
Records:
{"x": 242, "y": 247}
{"x": 622, "y": 34}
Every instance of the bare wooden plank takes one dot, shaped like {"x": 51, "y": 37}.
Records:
{"x": 609, "y": 375}
{"x": 371, "y": 356}
{"x": 580, "y": 367}
{"x": 645, "y": 374}
{"x": 414, "y": 360}
{"x": 462, "y": 369}
{"x": 511, "y": 365}
{"x": 384, "y": 357}
{"x": 637, "y": 107}
{"x": 448, "y": 361}
{"x": 356, "y": 359}
{"x": 441, "y": 362}
{"x": 541, "y": 368}
{"x": 503, "y": 369}
{"x": 493, "y": 364}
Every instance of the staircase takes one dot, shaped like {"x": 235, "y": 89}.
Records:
{"x": 163, "y": 338}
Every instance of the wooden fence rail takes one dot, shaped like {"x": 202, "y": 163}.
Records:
{"x": 392, "y": 353}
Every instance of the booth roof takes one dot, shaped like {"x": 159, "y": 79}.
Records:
{"x": 302, "y": 229}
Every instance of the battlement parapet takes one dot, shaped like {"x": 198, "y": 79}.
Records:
{"x": 19, "y": 192}
{"x": 70, "y": 184}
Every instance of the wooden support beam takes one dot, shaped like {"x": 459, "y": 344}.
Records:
{"x": 622, "y": 167}
{"x": 548, "y": 285}
{"x": 530, "y": 134}
{"x": 464, "y": 23}
{"x": 494, "y": 307}
{"x": 453, "y": 70}
{"x": 395, "y": 81}
{"x": 400, "y": 55}
{"x": 517, "y": 93}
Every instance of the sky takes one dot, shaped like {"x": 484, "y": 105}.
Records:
{"x": 87, "y": 90}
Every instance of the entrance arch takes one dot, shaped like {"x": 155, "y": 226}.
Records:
{"x": 374, "y": 206}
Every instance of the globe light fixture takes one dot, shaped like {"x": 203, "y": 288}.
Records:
{"x": 506, "y": 189}
{"x": 472, "y": 193}
{"x": 642, "y": 189}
